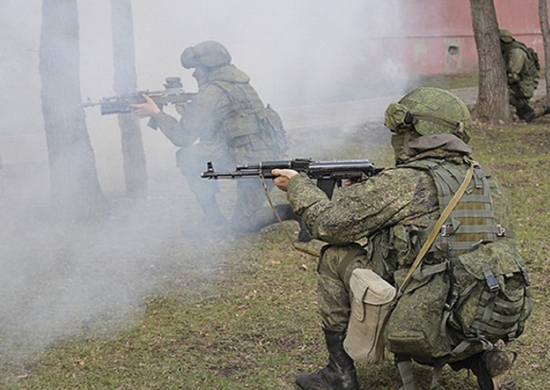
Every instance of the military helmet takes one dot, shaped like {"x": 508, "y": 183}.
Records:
{"x": 430, "y": 111}
{"x": 209, "y": 54}
{"x": 506, "y": 36}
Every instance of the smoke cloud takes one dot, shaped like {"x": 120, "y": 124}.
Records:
{"x": 55, "y": 281}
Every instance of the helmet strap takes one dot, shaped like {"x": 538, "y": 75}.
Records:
{"x": 456, "y": 127}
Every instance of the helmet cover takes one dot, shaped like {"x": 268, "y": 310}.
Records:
{"x": 506, "y": 36}
{"x": 430, "y": 111}
{"x": 208, "y": 54}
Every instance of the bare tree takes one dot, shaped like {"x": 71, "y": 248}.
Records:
{"x": 543, "y": 16}
{"x": 493, "y": 100}
{"x": 135, "y": 172}
{"x": 74, "y": 181}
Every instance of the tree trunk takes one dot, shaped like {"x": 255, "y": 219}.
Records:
{"x": 74, "y": 181}
{"x": 493, "y": 101}
{"x": 135, "y": 172}
{"x": 543, "y": 16}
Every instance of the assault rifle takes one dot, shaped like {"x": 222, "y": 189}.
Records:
{"x": 327, "y": 173}
{"x": 120, "y": 104}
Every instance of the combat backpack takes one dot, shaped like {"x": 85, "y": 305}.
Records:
{"x": 534, "y": 67}
{"x": 273, "y": 130}
{"x": 470, "y": 288}
{"x": 531, "y": 68}
{"x": 248, "y": 117}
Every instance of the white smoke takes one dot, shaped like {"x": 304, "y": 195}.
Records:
{"x": 54, "y": 281}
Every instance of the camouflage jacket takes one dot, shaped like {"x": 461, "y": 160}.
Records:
{"x": 386, "y": 208}
{"x": 222, "y": 117}
{"x": 522, "y": 68}
{"x": 395, "y": 196}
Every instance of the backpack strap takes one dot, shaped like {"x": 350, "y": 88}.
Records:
{"x": 436, "y": 373}
{"x": 404, "y": 365}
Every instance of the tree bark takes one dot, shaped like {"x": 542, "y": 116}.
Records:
{"x": 125, "y": 81}
{"x": 493, "y": 101}
{"x": 74, "y": 182}
{"x": 543, "y": 16}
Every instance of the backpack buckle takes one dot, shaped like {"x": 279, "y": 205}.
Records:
{"x": 453, "y": 298}
{"x": 500, "y": 231}
{"x": 511, "y": 336}
{"x": 490, "y": 279}
{"x": 525, "y": 276}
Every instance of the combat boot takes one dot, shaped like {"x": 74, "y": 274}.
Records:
{"x": 340, "y": 372}
{"x": 528, "y": 114}
{"x": 546, "y": 110}
{"x": 492, "y": 369}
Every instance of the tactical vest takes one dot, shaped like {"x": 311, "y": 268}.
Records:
{"x": 471, "y": 289}
{"x": 248, "y": 124}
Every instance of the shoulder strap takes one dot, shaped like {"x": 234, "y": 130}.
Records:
{"x": 404, "y": 365}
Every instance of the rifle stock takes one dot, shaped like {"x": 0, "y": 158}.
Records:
{"x": 328, "y": 174}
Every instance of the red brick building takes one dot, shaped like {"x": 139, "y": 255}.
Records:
{"x": 436, "y": 36}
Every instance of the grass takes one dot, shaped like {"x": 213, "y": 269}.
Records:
{"x": 249, "y": 321}
{"x": 446, "y": 81}
{"x": 373, "y": 88}
{"x": 518, "y": 154}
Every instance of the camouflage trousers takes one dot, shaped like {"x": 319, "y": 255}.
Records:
{"x": 524, "y": 110}
{"x": 336, "y": 265}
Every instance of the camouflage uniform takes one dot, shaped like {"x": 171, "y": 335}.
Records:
{"x": 222, "y": 125}
{"x": 522, "y": 74}
{"x": 383, "y": 210}
{"x": 372, "y": 209}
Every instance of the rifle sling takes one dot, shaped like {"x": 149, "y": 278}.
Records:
{"x": 285, "y": 230}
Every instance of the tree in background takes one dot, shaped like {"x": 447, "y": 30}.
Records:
{"x": 73, "y": 175}
{"x": 125, "y": 81}
{"x": 493, "y": 101}
{"x": 543, "y": 16}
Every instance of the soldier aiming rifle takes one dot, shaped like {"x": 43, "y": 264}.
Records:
{"x": 122, "y": 104}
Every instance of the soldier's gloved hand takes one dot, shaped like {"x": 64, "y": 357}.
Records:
{"x": 149, "y": 108}
{"x": 283, "y": 177}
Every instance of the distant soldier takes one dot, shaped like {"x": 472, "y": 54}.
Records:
{"x": 522, "y": 69}
{"x": 228, "y": 124}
